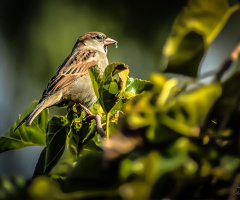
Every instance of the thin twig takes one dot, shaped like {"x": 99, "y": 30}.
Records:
{"x": 228, "y": 63}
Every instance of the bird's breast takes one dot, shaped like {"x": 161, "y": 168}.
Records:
{"x": 80, "y": 91}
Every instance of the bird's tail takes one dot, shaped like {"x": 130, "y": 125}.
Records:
{"x": 29, "y": 118}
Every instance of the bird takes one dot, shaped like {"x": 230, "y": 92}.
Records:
{"x": 71, "y": 83}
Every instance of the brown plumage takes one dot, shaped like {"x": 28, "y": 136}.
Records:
{"x": 71, "y": 83}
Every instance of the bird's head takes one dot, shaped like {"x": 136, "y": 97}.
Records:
{"x": 94, "y": 40}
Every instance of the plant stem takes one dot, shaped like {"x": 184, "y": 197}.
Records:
{"x": 107, "y": 126}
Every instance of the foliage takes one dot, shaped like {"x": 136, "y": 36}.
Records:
{"x": 109, "y": 89}
{"x": 26, "y": 136}
{"x": 66, "y": 137}
{"x": 193, "y": 31}
{"x": 171, "y": 137}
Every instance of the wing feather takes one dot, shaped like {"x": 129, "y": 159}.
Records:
{"x": 74, "y": 67}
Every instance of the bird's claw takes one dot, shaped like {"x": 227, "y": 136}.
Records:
{"x": 90, "y": 117}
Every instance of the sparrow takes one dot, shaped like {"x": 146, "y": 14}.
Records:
{"x": 71, "y": 83}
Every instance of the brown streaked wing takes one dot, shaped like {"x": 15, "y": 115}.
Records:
{"x": 76, "y": 66}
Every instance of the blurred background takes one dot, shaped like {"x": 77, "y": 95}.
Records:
{"x": 36, "y": 37}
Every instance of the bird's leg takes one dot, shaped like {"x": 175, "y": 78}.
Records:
{"x": 90, "y": 117}
{"x": 86, "y": 110}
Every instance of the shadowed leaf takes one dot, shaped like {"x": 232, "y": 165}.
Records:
{"x": 56, "y": 138}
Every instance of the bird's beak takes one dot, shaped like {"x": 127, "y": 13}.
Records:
{"x": 109, "y": 41}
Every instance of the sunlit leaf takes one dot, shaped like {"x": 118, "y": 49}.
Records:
{"x": 194, "y": 29}
{"x": 191, "y": 108}
{"x": 108, "y": 88}
{"x": 199, "y": 16}
{"x": 113, "y": 69}
{"x": 135, "y": 86}
{"x": 123, "y": 75}
{"x": 186, "y": 113}
{"x": 34, "y": 135}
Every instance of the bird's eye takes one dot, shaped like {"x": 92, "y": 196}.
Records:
{"x": 99, "y": 37}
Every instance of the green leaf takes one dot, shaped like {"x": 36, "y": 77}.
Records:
{"x": 39, "y": 169}
{"x": 188, "y": 111}
{"x": 90, "y": 173}
{"x": 113, "y": 69}
{"x": 111, "y": 95}
{"x": 96, "y": 79}
{"x": 108, "y": 88}
{"x": 199, "y": 16}
{"x": 113, "y": 88}
{"x": 73, "y": 138}
{"x": 186, "y": 60}
{"x": 43, "y": 187}
{"x": 135, "y": 86}
{"x": 13, "y": 187}
{"x": 217, "y": 59}
{"x": 193, "y": 30}
{"x": 191, "y": 108}
{"x": 34, "y": 135}
{"x": 90, "y": 147}
{"x": 56, "y": 138}
{"x": 63, "y": 166}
